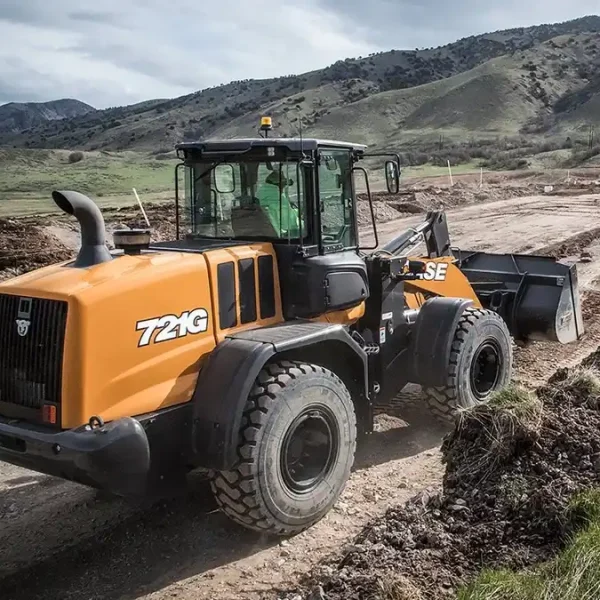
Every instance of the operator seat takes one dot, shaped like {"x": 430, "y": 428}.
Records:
{"x": 250, "y": 219}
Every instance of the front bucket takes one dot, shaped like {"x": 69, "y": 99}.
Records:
{"x": 537, "y": 296}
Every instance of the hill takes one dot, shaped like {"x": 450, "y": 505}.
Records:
{"x": 16, "y": 117}
{"x": 434, "y": 88}
{"x": 550, "y": 88}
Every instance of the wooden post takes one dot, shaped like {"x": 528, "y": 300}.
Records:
{"x": 141, "y": 207}
{"x": 450, "y": 171}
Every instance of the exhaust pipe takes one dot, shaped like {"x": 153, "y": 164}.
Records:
{"x": 93, "y": 249}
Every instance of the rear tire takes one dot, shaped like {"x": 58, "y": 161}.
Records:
{"x": 480, "y": 364}
{"x": 277, "y": 487}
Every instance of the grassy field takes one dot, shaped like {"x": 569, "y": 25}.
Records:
{"x": 28, "y": 177}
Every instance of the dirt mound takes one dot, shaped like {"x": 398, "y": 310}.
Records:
{"x": 24, "y": 247}
{"x": 572, "y": 246}
{"x": 422, "y": 198}
{"x": 511, "y": 472}
{"x": 34, "y": 242}
{"x": 162, "y": 220}
{"x": 384, "y": 212}
{"x": 408, "y": 208}
{"x": 462, "y": 194}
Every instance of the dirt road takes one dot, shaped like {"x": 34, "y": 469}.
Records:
{"x": 60, "y": 540}
{"x": 516, "y": 225}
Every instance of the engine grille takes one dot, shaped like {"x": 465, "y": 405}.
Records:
{"x": 32, "y": 336}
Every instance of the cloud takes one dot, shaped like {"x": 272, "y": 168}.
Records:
{"x": 119, "y": 52}
{"x": 408, "y": 24}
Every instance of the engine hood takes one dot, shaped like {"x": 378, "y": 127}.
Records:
{"x": 63, "y": 280}
{"x": 139, "y": 327}
{"x": 136, "y": 329}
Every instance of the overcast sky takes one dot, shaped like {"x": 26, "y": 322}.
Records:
{"x": 117, "y": 52}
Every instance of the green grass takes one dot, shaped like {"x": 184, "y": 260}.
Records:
{"x": 573, "y": 575}
{"x": 433, "y": 171}
{"x": 28, "y": 177}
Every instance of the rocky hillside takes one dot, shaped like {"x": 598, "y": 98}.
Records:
{"x": 552, "y": 88}
{"x": 519, "y": 79}
{"x": 15, "y": 117}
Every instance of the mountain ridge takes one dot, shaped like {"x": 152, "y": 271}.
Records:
{"x": 526, "y": 78}
{"x": 18, "y": 116}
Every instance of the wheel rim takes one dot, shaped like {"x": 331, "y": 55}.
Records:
{"x": 486, "y": 368}
{"x": 309, "y": 449}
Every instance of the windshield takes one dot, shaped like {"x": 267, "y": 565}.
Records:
{"x": 246, "y": 200}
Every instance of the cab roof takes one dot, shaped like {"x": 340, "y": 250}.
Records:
{"x": 246, "y": 144}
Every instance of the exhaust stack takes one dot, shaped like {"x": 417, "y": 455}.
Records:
{"x": 93, "y": 249}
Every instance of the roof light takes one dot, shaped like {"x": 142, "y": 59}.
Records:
{"x": 266, "y": 123}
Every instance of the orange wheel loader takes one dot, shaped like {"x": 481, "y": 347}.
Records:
{"x": 258, "y": 344}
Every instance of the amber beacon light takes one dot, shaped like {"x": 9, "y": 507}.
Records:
{"x": 266, "y": 124}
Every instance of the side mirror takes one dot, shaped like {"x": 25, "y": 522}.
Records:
{"x": 392, "y": 177}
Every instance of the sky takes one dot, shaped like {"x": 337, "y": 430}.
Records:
{"x": 119, "y": 52}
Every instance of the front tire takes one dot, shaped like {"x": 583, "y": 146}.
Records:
{"x": 480, "y": 364}
{"x": 296, "y": 450}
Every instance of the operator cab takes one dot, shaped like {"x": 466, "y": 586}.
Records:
{"x": 297, "y": 194}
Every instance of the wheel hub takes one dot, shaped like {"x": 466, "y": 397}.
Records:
{"x": 485, "y": 369}
{"x": 308, "y": 450}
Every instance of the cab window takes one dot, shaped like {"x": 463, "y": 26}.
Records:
{"x": 247, "y": 200}
{"x": 335, "y": 198}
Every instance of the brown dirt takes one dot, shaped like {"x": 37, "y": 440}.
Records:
{"x": 60, "y": 540}
{"x": 504, "y": 502}
{"x": 32, "y": 242}
{"x": 23, "y": 248}
{"x": 420, "y": 197}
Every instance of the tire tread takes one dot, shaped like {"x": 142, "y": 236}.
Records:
{"x": 442, "y": 401}
{"x": 235, "y": 491}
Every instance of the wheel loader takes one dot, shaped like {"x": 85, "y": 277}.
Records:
{"x": 258, "y": 344}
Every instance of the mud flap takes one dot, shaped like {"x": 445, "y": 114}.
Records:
{"x": 537, "y": 296}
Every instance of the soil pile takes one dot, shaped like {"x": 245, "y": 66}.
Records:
{"x": 421, "y": 198}
{"x": 511, "y": 472}
{"x": 24, "y": 248}
{"x": 162, "y": 220}
{"x": 461, "y": 194}
{"x": 384, "y": 212}
{"x": 573, "y": 246}
{"x": 34, "y": 242}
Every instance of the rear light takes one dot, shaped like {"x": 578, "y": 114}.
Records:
{"x": 49, "y": 414}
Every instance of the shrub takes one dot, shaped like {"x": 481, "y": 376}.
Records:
{"x": 75, "y": 157}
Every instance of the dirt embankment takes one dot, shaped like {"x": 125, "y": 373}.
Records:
{"x": 511, "y": 473}
{"x": 23, "y": 248}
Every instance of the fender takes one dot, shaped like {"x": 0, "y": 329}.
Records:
{"x": 225, "y": 382}
{"x": 432, "y": 339}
